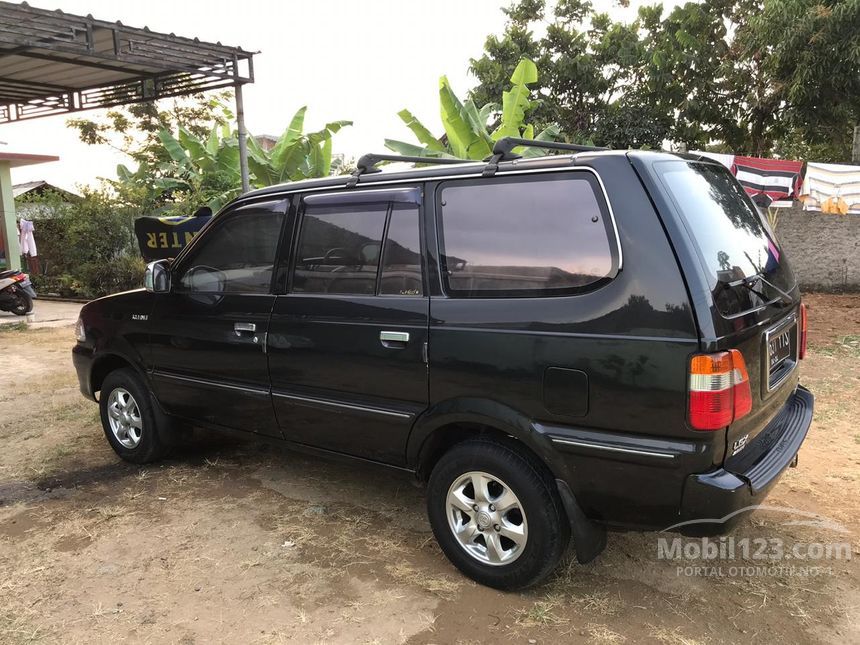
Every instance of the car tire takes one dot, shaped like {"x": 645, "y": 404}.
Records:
{"x": 510, "y": 546}
{"x": 129, "y": 417}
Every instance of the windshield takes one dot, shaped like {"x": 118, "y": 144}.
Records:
{"x": 734, "y": 239}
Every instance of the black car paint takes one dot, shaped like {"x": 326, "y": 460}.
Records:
{"x": 628, "y": 455}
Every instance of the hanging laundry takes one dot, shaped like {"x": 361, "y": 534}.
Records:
{"x": 25, "y": 237}
{"x": 727, "y": 160}
{"x": 769, "y": 180}
{"x": 831, "y": 188}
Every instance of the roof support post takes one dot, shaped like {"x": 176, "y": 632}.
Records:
{"x": 243, "y": 140}
{"x": 8, "y": 229}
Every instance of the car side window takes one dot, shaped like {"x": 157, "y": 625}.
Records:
{"x": 344, "y": 249}
{"x": 237, "y": 255}
{"x": 511, "y": 237}
{"x": 401, "y": 257}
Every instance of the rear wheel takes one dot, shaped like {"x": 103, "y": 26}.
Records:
{"x": 496, "y": 514}
{"x": 23, "y": 304}
{"x": 128, "y": 417}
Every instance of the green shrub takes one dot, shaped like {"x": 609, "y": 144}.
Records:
{"x": 87, "y": 248}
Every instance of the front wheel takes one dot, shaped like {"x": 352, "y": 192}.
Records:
{"x": 128, "y": 417}
{"x": 496, "y": 514}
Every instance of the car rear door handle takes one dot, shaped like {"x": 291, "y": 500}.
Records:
{"x": 394, "y": 339}
{"x": 240, "y": 327}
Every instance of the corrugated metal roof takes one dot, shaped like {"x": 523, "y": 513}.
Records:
{"x": 53, "y": 62}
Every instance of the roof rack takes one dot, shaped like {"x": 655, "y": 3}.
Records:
{"x": 367, "y": 163}
{"x": 503, "y": 150}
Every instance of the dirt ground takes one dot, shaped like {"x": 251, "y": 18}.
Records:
{"x": 243, "y": 542}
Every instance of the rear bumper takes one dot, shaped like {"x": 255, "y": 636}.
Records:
{"x": 713, "y": 502}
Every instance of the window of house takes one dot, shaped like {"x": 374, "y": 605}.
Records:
{"x": 525, "y": 236}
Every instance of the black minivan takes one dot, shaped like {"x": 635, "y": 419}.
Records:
{"x": 554, "y": 345}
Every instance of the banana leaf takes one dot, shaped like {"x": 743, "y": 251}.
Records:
{"x": 421, "y": 132}
{"x": 197, "y": 150}
{"x": 173, "y": 147}
{"x": 289, "y": 137}
{"x": 465, "y": 144}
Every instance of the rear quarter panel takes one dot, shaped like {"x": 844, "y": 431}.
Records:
{"x": 632, "y": 338}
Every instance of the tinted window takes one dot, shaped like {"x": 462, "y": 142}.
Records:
{"x": 733, "y": 238}
{"x": 524, "y": 236}
{"x": 339, "y": 249}
{"x": 401, "y": 263}
{"x": 238, "y": 254}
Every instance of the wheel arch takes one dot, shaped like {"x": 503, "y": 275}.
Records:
{"x": 104, "y": 364}
{"x": 450, "y": 422}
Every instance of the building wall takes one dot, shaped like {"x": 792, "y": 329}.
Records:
{"x": 824, "y": 250}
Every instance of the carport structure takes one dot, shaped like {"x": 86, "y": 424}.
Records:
{"x": 55, "y": 63}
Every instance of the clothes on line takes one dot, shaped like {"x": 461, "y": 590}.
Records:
{"x": 727, "y": 160}
{"x": 831, "y": 188}
{"x": 26, "y": 239}
{"x": 769, "y": 180}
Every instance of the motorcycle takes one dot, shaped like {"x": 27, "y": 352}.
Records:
{"x": 16, "y": 292}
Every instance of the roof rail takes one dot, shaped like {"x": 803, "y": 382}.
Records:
{"x": 506, "y": 145}
{"x": 503, "y": 150}
{"x": 367, "y": 163}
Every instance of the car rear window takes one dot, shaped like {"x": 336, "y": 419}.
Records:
{"x": 733, "y": 237}
{"x": 525, "y": 236}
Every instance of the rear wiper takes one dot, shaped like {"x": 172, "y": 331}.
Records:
{"x": 751, "y": 280}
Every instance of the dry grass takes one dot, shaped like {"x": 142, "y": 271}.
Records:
{"x": 542, "y": 613}
{"x": 602, "y": 634}
{"x": 437, "y": 584}
{"x": 673, "y": 636}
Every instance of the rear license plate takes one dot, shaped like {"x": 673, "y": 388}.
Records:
{"x": 780, "y": 351}
{"x": 779, "y": 348}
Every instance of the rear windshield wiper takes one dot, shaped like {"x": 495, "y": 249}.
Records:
{"x": 751, "y": 280}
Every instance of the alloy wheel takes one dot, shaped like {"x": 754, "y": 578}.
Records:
{"x": 487, "y": 518}
{"x": 124, "y": 417}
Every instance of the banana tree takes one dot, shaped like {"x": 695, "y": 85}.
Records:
{"x": 206, "y": 172}
{"x": 467, "y": 133}
{"x": 296, "y": 155}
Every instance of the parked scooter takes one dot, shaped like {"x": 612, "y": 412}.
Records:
{"x": 16, "y": 292}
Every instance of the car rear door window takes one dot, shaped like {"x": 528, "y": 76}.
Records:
{"x": 401, "y": 259}
{"x": 339, "y": 249}
{"x": 525, "y": 236}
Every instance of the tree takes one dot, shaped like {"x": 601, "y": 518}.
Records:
{"x": 812, "y": 50}
{"x": 133, "y": 129}
{"x": 467, "y": 130}
{"x": 750, "y": 76}
{"x": 204, "y": 171}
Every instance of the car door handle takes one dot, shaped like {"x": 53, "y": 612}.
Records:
{"x": 394, "y": 339}
{"x": 240, "y": 327}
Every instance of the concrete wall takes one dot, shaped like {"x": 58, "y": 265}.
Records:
{"x": 824, "y": 250}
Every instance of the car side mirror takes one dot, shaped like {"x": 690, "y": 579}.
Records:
{"x": 156, "y": 278}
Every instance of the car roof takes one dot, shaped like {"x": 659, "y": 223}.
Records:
{"x": 467, "y": 168}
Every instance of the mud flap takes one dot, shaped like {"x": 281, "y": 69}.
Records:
{"x": 589, "y": 538}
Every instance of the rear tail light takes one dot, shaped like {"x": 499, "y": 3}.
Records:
{"x": 20, "y": 277}
{"x": 719, "y": 390}
{"x": 801, "y": 350}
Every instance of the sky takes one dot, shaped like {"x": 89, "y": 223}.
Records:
{"x": 345, "y": 59}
